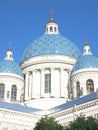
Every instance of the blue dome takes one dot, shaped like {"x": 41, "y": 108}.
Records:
{"x": 51, "y": 44}
{"x": 9, "y": 66}
{"x": 86, "y": 61}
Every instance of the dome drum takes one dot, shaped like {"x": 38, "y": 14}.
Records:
{"x": 48, "y": 60}
{"x": 8, "y": 82}
{"x": 79, "y": 81}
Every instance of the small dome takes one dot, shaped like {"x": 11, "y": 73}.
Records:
{"x": 86, "y": 61}
{"x": 10, "y": 66}
{"x": 51, "y": 44}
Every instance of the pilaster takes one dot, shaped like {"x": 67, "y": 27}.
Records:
{"x": 30, "y": 85}
{"x": 52, "y": 82}
{"x": 26, "y": 86}
{"x": 42, "y": 82}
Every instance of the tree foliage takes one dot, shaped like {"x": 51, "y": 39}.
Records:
{"x": 48, "y": 123}
{"x": 83, "y": 123}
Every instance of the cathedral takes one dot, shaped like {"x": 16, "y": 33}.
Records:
{"x": 53, "y": 79}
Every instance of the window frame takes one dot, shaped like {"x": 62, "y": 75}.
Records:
{"x": 2, "y": 90}
{"x": 14, "y": 93}
{"x": 47, "y": 88}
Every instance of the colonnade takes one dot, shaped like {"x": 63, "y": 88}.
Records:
{"x": 35, "y": 83}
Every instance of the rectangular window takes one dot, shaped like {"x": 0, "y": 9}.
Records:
{"x": 2, "y": 90}
{"x": 13, "y": 92}
{"x": 47, "y": 83}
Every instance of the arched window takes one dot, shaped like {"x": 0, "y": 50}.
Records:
{"x": 90, "y": 86}
{"x": 51, "y": 29}
{"x": 14, "y": 92}
{"x": 47, "y": 83}
{"x": 78, "y": 91}
{"x": 55, "y": 29}
{"x": 2, "y": 90}
{"x": 10, "y": 55}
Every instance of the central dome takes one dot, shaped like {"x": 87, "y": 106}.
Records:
{"x": 51, "y": 44}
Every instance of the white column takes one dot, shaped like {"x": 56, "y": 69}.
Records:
{"x": 83, "y": 85}
{"x": 42, "y": 82}
{"x": 52, "y": 82}
{"x": 67, "y": 83}
{"x": 64, "y": 77}
{"x": 30, "y": 85}
{"x": 26, "y": 85}
{"x": 61, "y": 83}
{"x": 33, "y": 84}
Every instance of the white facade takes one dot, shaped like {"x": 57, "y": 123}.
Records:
{"x": 35, "y": 69}
{"x": 82, "y": 77}
{"x": 9, "y": 81}
{"x": 54, "y": 82}
{"x": 84, "y": 80}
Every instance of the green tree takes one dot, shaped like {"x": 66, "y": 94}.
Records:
{"x": 48, "y": 123}
{"x": 83, "y": 123}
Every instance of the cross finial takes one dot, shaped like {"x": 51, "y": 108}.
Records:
{"x": 51, "y": 13}
{"x": 9, "y": 53}
{"x": 85, "y": 39}
{"x": 9, "y": 45}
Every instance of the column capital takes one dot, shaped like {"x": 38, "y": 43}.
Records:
{"x": 42, "y": 69}
{"x": 52, "y": 68}
{"x": 68, "y": 70}
{"x": 30, "y": 72}
{"x": 27, "y": 73}
{"x": 62, "y": 68}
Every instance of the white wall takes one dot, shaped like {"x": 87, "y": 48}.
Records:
{"x": 12, "y": 79}
{"x": 82, "y": 76}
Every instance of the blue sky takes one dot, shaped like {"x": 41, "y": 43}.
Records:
{"x": 22, "y": 21}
